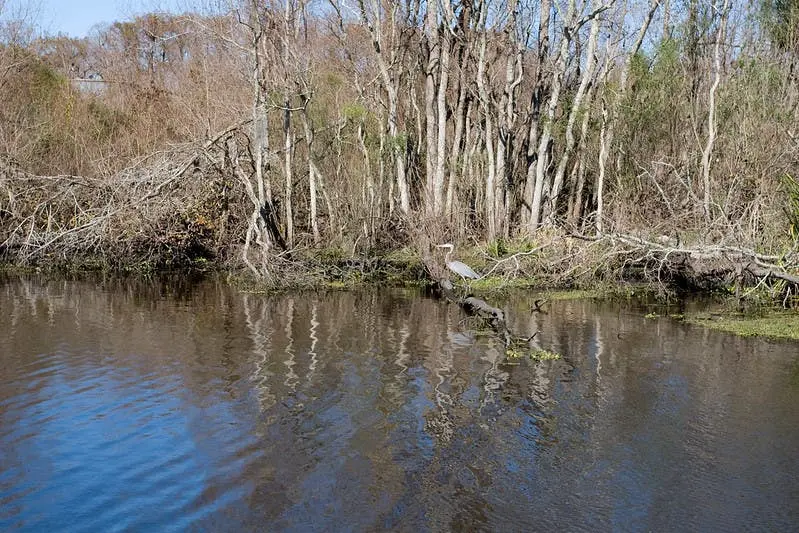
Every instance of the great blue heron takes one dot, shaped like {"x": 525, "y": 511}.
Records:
{"x": 461, "y": 269}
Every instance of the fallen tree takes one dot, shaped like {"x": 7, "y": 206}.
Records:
{"x": 490, "y": 315}
{"x": 166, "y": 210}
{"x": 669, "y": 261}
{"x": 158, "y": 210}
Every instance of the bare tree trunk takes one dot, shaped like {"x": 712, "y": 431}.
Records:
{"x": 441, "y": 156}
{"x": 485, "y": 102}
{"x": 288, "y": 147}
{"x": 256, "y": 227}
{"x": 260, "y": 192}
{"x": 503, "y": 133}
{"x": 577, "y": 197}
{"x": 546, "y": 130}
{"x": 433, "y": 53}
{"x": 312, "y": 192}
{"x": 490, "y": 187}
{"x": 609, "y": 122}
{"x": 288, "y": 34}
{"x": 370, "y": 197}
{"x": 605, "y": 138}
{"x": 390, "y": 83}
{"x": 586, "y": 80}
{"x": 514, "y": 70}
{"x": 470, "y": 144}
{"x": 711, "y": 116}
{"x": 455, "y": 152}
{"x": 381, "y": 170}
{"x": 534, "y": 114}
{"x": 320, "y": 184}
{"x": 313, "y": 213}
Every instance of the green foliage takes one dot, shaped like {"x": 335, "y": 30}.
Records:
{"x": 107, "y": 121}
{"x": 502, "y": 247}
{"x": 781, "y": 20}
{"x": 355, "y": 112}
{"x": 755, "y": 92}
{"x": 513, "y": 352}
{"x": 45, "y": 84}
{"x": 333, "y": 81}
{"x": 572, "y": 295}
{"x": 49, "y": 142}
{"x": 657, "y": 103}
{"x": 791, "y": 209}
{"x": 765, "y": 75}
{"x": 497, "y": 248}
{"x": 331, "y": 255}
{"x": 500, "y": 284}
{"x": 399, "y": 143}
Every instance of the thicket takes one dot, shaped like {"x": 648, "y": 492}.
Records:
{"x": 248, "y": 132}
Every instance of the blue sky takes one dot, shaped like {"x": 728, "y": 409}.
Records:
{"x": 76, "y": 17}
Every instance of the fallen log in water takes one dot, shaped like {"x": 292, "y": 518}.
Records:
{"x": 481, "y": 308}
{"x": 493, "y": 316}
{"x": 703, "y": 264}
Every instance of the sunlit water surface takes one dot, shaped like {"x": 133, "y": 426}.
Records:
{"x": 173, "y": 406}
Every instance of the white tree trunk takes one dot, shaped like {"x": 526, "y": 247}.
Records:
{"x": 587, "y": 78}
{"x": 609, "y": 123}
{"x": 288, "y": 147}
{"x": 485, "y": 103}
{"x": 374, "y": 22}
{"x": 441, "y": 148}
{"x": 549, "y": 119}
{"x": 535, "y": 107}
{"x": 312, "y": 192}
{"x": 711, "y": 115}
{"x": 455, "y": 165}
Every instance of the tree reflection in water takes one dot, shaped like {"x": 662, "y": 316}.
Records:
{"x": 162, "y": 403}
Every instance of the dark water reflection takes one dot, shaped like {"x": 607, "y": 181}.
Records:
{"x": 157, "y": 407}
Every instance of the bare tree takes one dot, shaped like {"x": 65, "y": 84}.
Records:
{"x": 379, "y": 20}
{"x": 610, "y": 117}
{"x": 707, "y": 151}
{"x": 588, "y": 77}
{"x": 540, "y": 89}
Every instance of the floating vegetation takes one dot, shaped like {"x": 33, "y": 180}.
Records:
{"x": 513, "y": 353}
{"x": 777, "y": 325}
{"x": 545, "y": 355}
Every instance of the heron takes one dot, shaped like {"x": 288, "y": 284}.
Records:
{"x": 461, "y": 269}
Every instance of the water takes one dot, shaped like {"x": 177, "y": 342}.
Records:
{"x": 170, "y": 407}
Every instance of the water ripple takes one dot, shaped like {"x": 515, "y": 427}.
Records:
{"x": 148, "y": 409}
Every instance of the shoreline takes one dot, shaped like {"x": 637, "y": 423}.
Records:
{"x": 756, "y": 316}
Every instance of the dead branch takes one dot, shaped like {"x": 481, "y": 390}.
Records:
{"x": 671, "y": 255}
{"x": 76, "y": 216}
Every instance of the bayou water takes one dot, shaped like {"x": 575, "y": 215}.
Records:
{"x": 172, "y": 406}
